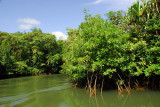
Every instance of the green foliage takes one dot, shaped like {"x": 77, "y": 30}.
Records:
{"x": 29, "y": 53}
{"x": 94, "y": 47}
{"x": 126, "y": 44}
{"x": 115, "y": 17}
{"x": 152, "y": 69}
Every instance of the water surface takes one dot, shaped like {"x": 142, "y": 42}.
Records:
{"x": 56, "y": 91}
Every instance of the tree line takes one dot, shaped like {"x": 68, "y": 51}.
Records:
{"x": 31, "y": 53}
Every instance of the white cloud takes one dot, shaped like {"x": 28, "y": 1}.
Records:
{"x": 97, "y": 1}
{"x": 121, "y": 4}
{"x": 112, "y": 1}
{"x": 25, "y": 26}
{"x": 29, "y": 21}
{"x": 59, "y": 35}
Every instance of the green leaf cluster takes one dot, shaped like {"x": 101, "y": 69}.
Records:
{"x": 124, "y": 43}
{"x": 29, "y": 53}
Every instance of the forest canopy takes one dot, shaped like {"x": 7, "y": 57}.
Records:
{"x": 29, "y": 53}
{"x": 123, "y": 49}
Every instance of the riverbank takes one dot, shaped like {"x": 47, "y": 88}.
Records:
{"x": 140, "y": 83}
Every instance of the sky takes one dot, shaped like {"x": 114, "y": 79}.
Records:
{"x": 52, "y": 16}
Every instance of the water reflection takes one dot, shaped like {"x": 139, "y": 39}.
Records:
{"x": 56, "y": 91}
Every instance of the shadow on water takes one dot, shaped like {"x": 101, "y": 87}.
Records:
{"x": 56, "y": 91}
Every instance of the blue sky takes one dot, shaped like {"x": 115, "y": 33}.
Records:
{"x": 52, "y": 16}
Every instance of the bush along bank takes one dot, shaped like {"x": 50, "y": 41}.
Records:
{"x": 31, "y": 53}
{"x": 121, "y": 52}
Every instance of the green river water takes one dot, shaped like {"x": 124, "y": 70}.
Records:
{"x": 56, "y": 91}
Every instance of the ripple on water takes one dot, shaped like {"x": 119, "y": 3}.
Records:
{"x": 17, "y": 99}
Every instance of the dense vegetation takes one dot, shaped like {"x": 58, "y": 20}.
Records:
{"x": 29, "y": 53}
{"x": 120, "y": 51}
{"x": 123, "y": 51}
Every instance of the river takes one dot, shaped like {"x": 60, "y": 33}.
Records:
{"x": 56, "y": 91}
